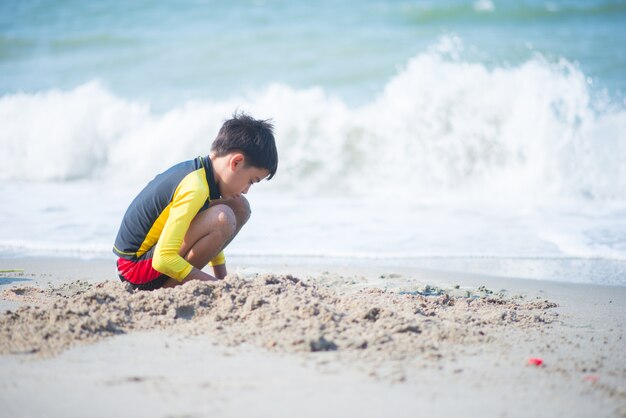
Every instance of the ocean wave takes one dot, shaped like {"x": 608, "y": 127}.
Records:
{"x": 488, "y": 10}
{"x": 440, "y": 126}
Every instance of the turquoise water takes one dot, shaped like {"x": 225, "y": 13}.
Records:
{"x": 168, "y": 52}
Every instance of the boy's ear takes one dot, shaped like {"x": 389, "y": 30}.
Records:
{"x": 236, "y": 160}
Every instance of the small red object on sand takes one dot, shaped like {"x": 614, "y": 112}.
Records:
{"x": 535, "y": 361}
{"x": 593, "y": 378}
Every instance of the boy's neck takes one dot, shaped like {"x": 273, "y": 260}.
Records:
{"x": 219, "y": 165}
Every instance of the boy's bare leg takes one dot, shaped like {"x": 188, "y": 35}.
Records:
{"x": 211, "y": 231}
{"x": 241, "y": 209}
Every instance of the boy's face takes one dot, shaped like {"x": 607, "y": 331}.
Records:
{"x": 240, "y": 177}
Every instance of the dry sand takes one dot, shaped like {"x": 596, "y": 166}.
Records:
{"x": 322, "y": 343}
{"x": 276, "y": 312}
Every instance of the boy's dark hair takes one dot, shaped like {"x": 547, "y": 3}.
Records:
{"x": 253, "y": 138}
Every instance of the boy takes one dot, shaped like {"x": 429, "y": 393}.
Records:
{"x": 183, "y": 219}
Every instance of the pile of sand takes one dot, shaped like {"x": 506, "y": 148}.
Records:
{"x": 279, "y": 313}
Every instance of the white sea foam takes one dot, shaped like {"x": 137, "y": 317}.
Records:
{"x": 484, "y": 6}
{"x": 441, "y": 126}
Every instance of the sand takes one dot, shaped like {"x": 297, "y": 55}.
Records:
{"x": 332, "y": 341}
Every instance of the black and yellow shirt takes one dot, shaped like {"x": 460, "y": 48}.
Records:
{"x": 157, "y": 220}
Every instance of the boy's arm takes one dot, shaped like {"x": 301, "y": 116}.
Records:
{"x": 187, "y": 201}
{"x": 220, "y": 271}
{"x": 219, "y": 265}
{"x": 197, "y": 274}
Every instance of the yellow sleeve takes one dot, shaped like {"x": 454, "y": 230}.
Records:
{"x": 219, "y": 259}
{"x": 188, "y": 198}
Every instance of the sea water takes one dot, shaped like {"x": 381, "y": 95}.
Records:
{"x": 491, "y": 132}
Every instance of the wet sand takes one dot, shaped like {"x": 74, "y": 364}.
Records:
{"x": 295, "y": 338}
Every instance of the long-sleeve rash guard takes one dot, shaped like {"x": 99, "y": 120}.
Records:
{"x": 157, "y": 220}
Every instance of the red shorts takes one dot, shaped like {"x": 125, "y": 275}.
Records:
{"x": 140, "y": 274}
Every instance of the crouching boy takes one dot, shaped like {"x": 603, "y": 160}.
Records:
{"x": 184, "y": 218}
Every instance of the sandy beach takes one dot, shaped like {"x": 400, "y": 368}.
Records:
{"x": 286, "y": 338}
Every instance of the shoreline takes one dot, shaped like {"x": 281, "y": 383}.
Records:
{"x": 527, "y": 268}
{"x": 580, "y": 342}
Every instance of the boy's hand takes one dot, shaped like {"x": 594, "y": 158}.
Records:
{"x": 219, "y": 271}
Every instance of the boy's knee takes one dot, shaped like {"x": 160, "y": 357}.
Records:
{"x": 241, "y": 210}
{"x": 226, "y": 221}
